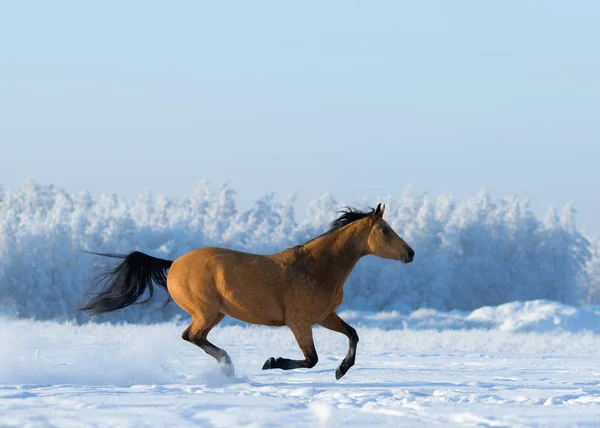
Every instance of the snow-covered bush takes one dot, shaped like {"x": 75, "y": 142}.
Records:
{"x": 481, "y": 251}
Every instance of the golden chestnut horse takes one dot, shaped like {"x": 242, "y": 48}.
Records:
{"x": 298, "y": 287}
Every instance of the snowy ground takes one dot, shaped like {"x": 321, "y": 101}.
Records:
{"x": 57, "y": 374}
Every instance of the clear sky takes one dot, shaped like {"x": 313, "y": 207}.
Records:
{"x": 346, "y": 97}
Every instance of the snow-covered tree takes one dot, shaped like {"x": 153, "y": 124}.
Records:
{"x": 480, "y": 251}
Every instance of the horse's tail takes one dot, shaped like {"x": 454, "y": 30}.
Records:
{"x": 127, "y": 282}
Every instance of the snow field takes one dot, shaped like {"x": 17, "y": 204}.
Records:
{"x": 63, "y": 374}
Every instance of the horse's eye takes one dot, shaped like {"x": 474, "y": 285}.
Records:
{"x": 385, "y": 231}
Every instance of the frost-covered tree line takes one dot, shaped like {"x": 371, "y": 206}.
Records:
{"x": 480, "y": 251}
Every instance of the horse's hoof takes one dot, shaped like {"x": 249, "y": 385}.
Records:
{"x": 340, "y": 372}
{"x": 269, "y": 364}
{"x": 228, "y": 369}
{"x": 226, "y": 366}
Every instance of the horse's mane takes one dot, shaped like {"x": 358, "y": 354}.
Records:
{"x": 348, "y": 215}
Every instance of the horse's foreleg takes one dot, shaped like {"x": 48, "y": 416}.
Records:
{"x": 335, "y": 323}
{"x": 197, "y": 332}
{"x": 304, "y": 337}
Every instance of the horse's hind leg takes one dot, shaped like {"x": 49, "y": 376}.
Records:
{"x": 197, "y": 332}
{"x": 303, "y": 335}
{"x": 335, "y": 323}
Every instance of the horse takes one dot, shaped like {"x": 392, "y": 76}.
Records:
{"x": 298, "y": 287}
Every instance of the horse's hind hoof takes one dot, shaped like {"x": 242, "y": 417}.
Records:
{"x": 228, "y": 370}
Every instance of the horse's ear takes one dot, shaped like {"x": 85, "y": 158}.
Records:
{"x": 378, "y": 212}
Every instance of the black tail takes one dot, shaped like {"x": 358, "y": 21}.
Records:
{"x": 126, "y": 282}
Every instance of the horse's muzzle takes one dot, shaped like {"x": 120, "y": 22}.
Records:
{"x": 408, "y": 257}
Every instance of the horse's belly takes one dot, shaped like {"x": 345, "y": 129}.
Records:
{"x": 253, "y": 315}
{"x": 252, "y": 306}
{"x": 249, "y": 289}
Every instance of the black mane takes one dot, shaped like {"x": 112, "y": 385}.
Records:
{"x": 348, "y": 215}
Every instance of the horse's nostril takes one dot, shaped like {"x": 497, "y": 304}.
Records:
{"x": 411, "y": 254}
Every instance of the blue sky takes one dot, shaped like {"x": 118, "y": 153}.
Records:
{"x": 346, "y": 97}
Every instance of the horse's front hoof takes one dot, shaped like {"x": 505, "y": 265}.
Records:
{"x": 269, "y": 364}
{"x": 341, "y": 371}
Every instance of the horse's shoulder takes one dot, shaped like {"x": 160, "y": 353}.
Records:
{"x": 288, "y": 255}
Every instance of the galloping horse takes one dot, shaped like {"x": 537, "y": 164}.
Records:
{"x": 298, "y": 287}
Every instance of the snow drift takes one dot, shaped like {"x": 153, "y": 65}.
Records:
{"x": 537, "y": 316}
{"x": 483, "y": 251}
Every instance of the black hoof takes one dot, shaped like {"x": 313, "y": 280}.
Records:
{"x": 269, "y": 364}
{"x": 341, "y": 371}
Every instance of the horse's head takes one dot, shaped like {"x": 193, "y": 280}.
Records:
{"x": 384, "y": 242}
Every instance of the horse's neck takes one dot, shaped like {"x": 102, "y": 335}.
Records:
{"x": 333, "y": 256}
